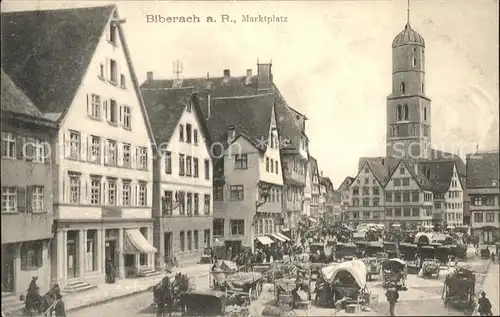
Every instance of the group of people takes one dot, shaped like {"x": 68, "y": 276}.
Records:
{"x": 51, "y": 303}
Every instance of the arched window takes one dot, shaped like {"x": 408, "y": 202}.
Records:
{"x": 413, "y": 130}
{"x": 402, "y": 88}
{"x": 398, "y": 113}
{"x": 406, "y": 112}
{"x": 425, "y": 113}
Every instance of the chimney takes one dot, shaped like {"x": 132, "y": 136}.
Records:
{"x": 227, "y": 75}
{"x": 264, "y": 76}
{"x": 208, "y": 91}
{"x": 231, "y": 133}
{"x": 248, "y": 80}
{"x": 149, "y": 76}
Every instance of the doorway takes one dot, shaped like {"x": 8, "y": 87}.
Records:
{"x": 167, "y": 241}
{"x": 8, "y": 278}
{"x": 72, "y": 254}
{"x": 111, "y": 252}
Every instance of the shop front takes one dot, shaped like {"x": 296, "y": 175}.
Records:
{"x": 82, "y": 249}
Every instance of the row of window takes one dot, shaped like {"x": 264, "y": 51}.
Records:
{"x": 452, "y": 216}
{"x": 23, "y": 148}
{"x": 188, "y": 134}
{"x": 236, "y": 192}
{"x": 454, "y": 205}
{"x": 23, "y": 199}
{"x": 264, "y": 227}
{"x": 106, "y": 151}
{"x": 391, "y": 212}
{"x": 106, "y": 191}
{"x": 296, "y": 165}
{"x": 186, "y": 203}
{"x": 192, "y": 237}
{"x": 484, "y": 216}
{"x": 366, "y": 202}
{"x": 271, "y": 165}
{"x": 366, "y": 191}
{"x": 485, "y": 200}
{"x": 109, "y": 110}
{"x": 188, "y": 165}
{"x": 236, "y": 227}
{"x": 367, "y": 180}
{"x": 402, "y": 196}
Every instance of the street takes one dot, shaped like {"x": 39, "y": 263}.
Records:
{"x": 137, "y": 305}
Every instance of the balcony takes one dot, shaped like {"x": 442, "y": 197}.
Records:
{"x": 290, "y": 205}
{"x": 292, "y": 177}
{"x": 17, "y": 227}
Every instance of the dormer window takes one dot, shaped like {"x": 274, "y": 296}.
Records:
{"x": 406, "y": 112}
{"x": 402, "y": 88}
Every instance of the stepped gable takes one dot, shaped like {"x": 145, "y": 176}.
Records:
{"x": 483, "y": 170}
{"x": 236, "y": 112}
{"x": 47, "y": 52}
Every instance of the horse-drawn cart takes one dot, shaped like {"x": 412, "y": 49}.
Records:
{"x": 394, "y": 271}
{"x": 239, "y": 286}
{"x": 459, "y": 288}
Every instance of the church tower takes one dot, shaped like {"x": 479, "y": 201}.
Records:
{"x": 408, "y": 108}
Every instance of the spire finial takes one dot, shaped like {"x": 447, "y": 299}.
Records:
{"x": 408, "y": 13}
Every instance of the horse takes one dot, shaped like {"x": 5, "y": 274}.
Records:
{"x": 41, "y": 304}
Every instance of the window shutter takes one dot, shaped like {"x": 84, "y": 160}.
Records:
{"x": 119, "y": 154}
{"x": 84, "y": 192}
{"x": 105, "y": 109}
{"x": 108, "y": 62}
{"x": 136, "y": 194}
{"x": 29, "y": 149}
{"x": 21, "y": 199}
{"x": 121, "y": 116}
{"x": 89, "y": 108}
{"x": 132, "y": 157}
{"x": 83, "y": 146}
{"x": 47, "y": 151}
{"x": 29, "y": 199}
{"x": 67, "y": 143}
{"x": 137, "y": 157}
{"x": 105, "y": 150}
{"x": 89, "y": 148}
{"x": 103, "y": 192}
{"x": 20, "y": 147}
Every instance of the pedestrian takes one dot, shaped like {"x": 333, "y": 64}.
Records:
{"x": 59, "y": 309}
{"x": 392, "y": 296}
{"x": 110, "y": 271}
{"x": 484, "y": 304}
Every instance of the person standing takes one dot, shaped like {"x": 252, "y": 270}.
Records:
{"x": 484, "y": 304}
{"x": 110, "y": 272}
{"x": 59, "y": 309}
{"x": 392, "y": 296}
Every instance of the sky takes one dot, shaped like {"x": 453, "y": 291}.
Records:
{"x": 332, "y": 61}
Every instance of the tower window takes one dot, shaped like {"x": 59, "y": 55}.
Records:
{"x": 425, "y": 113}
{"x": 402, "y": 88}
{"x": 413, "y": 130}
{"x": 406, "y": 112}
{"x": 422, "y": 88}
{"x": 414, "y": 61}
{"x": 398, "y": 113}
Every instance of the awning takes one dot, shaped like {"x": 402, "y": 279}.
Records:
{"x": 282, "y": 236}
{"x": 265, "y": 240}
{"x": 134, "y": 242}
{"x": 277, "y": 237}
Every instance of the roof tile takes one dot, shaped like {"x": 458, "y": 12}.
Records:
{"x": 483, "y": 170}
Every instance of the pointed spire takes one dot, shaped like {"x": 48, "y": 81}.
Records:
{"x": 408, "y": 13}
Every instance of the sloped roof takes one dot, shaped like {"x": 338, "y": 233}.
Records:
{"x": 288, "y": 127}
{"x": 15, "y": 101}
{"x": 438, "y": 155}
{"x": 323, "y": 180}
{"x": 441, "y": 174}
{"x": 236, "y": 112}
{"x": 47, "y": 52}
{"x": 347, "y": 180}
{"x": 483, "y": 169}
{"x": 165, "y": 110}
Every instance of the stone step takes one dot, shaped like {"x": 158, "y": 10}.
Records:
{"x": 77, "y": 287}
{"x": 147, "y": 272}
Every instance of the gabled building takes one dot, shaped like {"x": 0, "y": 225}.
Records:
{"x": 366, "y": 197}
{"x": 75, "y": 66}
{"x": 432, "y": 173}
{"x": 252, "y": 90}
{"x": 26, "y": 192}
{"x": 182, "y": 174}
{"x": 483, "y": 184}
{"x": 345, "y": 194}
{"x": 328, "y": 194}
{"x": 316, "y": 208}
